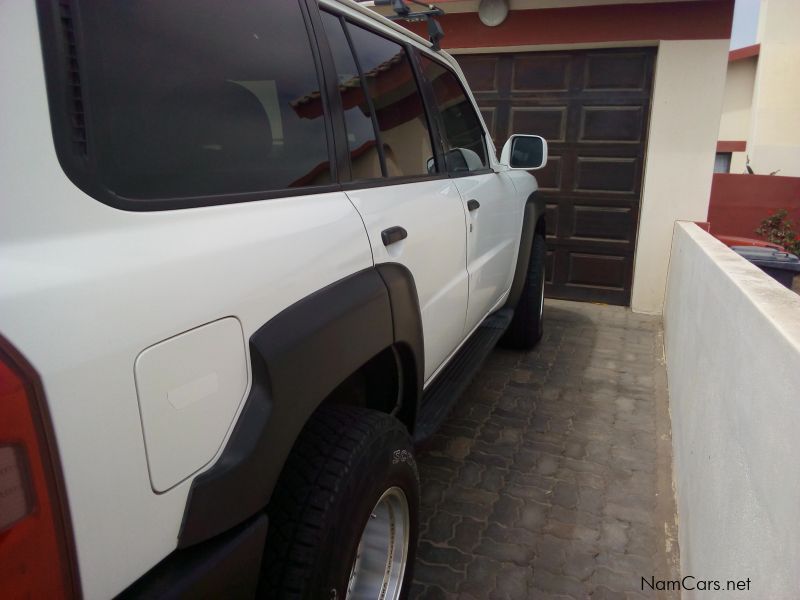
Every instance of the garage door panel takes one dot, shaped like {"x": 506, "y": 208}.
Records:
{"x": 592, "y": 246}
{"x": 550, "y": 122}
{"x": 549, "y": 267}
{"x": 551, "y": 220}
{"x": 596, "y": 271}
{"x": 589, "y": 276}
{"x": 592, "y": 106}
{"x": 616, "y": 71}
{"x": 602, "y": 223}
{"x": 594, "y": 226}
{"x": 588, "y": 294}
{"x": 541, "y": 72}
{"x": 578, "y": 199}
{"x": 611, "y": 124}
{"x": 481, "y": 72}
{"x": 598, "y": 150}
{"x": 607, "y": 175}
{"x": 549, "y": 177}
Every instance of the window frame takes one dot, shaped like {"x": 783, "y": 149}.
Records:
{"x": 346, "y": 182}
{"x": 339, "y": 115}
{"x": 435, "y": 111}
{"x": 82, "y": 169}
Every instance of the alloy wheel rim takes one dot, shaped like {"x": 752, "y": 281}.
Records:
{"x": 382, "y": 554}
{"x": 541, "y": 298}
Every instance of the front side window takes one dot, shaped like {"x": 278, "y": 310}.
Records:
{"x": 397, "y": 102}
{"x": 460, "y": 127}
{"x": 202, "y": 98}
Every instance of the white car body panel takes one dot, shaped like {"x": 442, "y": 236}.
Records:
{"x": 86, "y": 288}
{"x": 98, "y": 285}
{"x": 433, "y": 215}
{"x": 109, "y": 297}
{"x": 492, "y": 239}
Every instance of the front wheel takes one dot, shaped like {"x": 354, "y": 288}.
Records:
{"x": 526, "y": 328}
{"x": 344, "y": 517}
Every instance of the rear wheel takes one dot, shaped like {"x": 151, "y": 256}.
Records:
{"x": 526, "y": 327}
{"x": 382, "y": 552}
{"x": 345, "y": 514}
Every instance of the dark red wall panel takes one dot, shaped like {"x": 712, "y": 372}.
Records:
{"x": 740, "y": 202}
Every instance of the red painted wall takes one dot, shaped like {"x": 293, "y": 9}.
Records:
{"x": 740, "y": 202}
{"x": 707, "y": 19}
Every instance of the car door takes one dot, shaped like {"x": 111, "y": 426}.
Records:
{"x": 494, "y": 213}
{"x": 411, "y": 216}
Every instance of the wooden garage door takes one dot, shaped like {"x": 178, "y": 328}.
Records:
{"x": 592, "y": 107}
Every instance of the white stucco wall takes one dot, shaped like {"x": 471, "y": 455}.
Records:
{"x": 732, "y": 338}
{"x": 774, "y": 140}
{"x": 736, "y": 107}
{"x": 738, "y": 99}
{"x": 684, "y": 122}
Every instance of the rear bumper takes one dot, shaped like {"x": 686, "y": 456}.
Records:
{"x": 226, "y": 566}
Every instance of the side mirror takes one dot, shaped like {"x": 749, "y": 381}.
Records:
{"x": 524, "y": 152}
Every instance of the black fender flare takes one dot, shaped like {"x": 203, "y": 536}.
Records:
{"x": 532, "y": 220}
{"x": 408, "y": 338}
{"x": 298, "y": 358}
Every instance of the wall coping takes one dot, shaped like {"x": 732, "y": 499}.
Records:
{"x": 778, "y": 304}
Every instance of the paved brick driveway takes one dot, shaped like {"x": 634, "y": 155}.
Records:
{"x": 551, "y": 477}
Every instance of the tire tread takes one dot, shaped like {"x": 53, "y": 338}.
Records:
{"x": 526, "y": 327}
{"x": 308, "y": 488}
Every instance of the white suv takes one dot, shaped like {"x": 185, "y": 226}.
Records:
{"x": 250, "y": 253}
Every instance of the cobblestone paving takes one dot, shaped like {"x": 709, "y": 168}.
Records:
{"x": 550, "y": 479}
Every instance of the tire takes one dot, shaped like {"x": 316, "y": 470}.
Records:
{"x": 335, "y": 482}
{"x": 526, "y": 329}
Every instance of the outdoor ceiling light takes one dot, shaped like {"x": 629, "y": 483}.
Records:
{"x": 493, "y": 12}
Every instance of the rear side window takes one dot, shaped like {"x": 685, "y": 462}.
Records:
{"x": 463, "y": 139}
{"x": 201, "y": 98}
{"x": 397, "y": 102}
{"x": 362, "y": 142}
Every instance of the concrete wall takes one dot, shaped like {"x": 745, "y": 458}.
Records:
{"x": 774, "y": 140}
{"x": 684, "y": 122}
{"x": 732, "y": 339}
{"x": 735, "y": 121}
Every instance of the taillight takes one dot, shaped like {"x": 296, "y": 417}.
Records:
{"x": 34, "y": 559}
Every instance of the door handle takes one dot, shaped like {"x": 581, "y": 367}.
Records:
{"x": 473, "y": 205}
{"x": 393, "y": 235}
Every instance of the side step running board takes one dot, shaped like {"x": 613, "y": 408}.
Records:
{"x": 440, "y": 397}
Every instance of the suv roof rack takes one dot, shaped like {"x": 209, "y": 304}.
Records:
{"x": 403, "y": 13}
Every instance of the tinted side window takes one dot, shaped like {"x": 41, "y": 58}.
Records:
{"x": 396, "y": 99}
{"x": 459, "y": 124}
{"x": 202, "y": 98}
{"x": 361, "y": 139}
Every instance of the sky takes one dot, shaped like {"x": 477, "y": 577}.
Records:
{"x": 745, "y": 23}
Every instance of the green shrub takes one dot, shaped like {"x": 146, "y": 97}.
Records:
{"x": 779, "y": 229}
